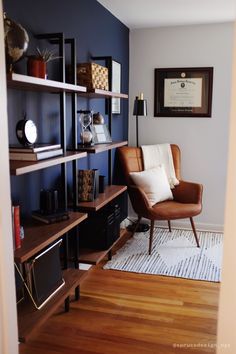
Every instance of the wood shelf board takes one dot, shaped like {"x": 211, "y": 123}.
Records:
{"x": 18, "y": 168}
{"x": 39, "y": 235}
{"x": 97, "y": 93}
{"x": 24, "y": 82}
{"x": 30, "y": 319}
{"x": 91, "y": 256}
{"x": 103, "y": 147}
{"x": 110, "y": 193}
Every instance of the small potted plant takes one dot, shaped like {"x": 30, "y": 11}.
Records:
{"x": 37, "y": 64}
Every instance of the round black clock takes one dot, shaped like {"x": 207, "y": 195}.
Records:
{"x": 26, "y": 132}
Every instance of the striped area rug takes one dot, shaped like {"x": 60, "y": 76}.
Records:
{"x": 173, "y": 254}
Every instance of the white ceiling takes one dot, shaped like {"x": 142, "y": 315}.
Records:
{"x": 155, "y": 13}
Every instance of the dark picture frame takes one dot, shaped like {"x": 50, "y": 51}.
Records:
{"x": 183, "y": 92}
{"x": 116, "y": 69}
{"x": 101, "y": 134}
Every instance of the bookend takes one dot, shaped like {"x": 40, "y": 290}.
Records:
{"x": 19, "y": 285}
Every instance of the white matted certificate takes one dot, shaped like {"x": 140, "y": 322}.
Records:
{"x": 100, "y": 134}
{"x": 183, "y": 92}
{"x": 116, "y": 86}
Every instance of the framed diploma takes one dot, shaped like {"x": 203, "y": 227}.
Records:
{"x": 183, "y": 92}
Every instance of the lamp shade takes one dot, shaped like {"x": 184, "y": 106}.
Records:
{"x": 140, "y": 107}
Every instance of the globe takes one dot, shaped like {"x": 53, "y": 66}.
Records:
{"x": 16, "y": 41}
{"x": 98, "y": 118}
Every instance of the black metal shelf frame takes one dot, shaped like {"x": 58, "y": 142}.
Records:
{"x": 61, "y": 41}
{"x": 108, "y": 64}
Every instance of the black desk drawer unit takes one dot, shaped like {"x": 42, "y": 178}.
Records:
{"x": 102, "y": 228}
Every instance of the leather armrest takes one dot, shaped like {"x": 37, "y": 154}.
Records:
{"x": 188, "y": 192}
{"x": 139, "y": 200}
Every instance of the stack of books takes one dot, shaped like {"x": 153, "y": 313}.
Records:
{"x": 35, "y": 152}
{"x": 59, "y": 215}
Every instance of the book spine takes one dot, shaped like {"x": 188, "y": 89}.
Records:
{"x": 86, "y": 185}
{"x": 52, "y": 219}
{"x": 16, "y": 218}
{"x": 21, "y": 156}
{"x": 34, "y": 149}
{"x": 35, "y": 156}
{"x": 28, "y": 274}
{"x": 13, "y": 227}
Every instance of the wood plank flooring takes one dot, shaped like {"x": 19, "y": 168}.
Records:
{"x": 121, "y": 312}
{"x": 129, "y": 313}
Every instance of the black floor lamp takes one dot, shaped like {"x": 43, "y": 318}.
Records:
{"x": 140, "y": 109}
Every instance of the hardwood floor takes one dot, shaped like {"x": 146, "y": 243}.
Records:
{"x": 121, "y": 312}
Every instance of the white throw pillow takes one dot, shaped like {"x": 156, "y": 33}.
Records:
{"x": 154, "y": 183}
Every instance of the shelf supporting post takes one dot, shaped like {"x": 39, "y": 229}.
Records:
{"x": 108, "y": 63}
{"x": 72, "y": 43}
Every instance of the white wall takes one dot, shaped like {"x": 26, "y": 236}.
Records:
{"x": 226, "y": 339}
{"x": 8, "y": 322}
{"x": 203, "y": 141}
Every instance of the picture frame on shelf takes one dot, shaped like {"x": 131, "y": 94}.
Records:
{"x": 101, "y": 134}
{"x": 116, "y": 86}
{"x": 183, "y": 92}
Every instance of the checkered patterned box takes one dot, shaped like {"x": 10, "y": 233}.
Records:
{"x": 92, "y": 75}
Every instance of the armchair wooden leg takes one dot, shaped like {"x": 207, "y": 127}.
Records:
{"x": 151, "y": 236}
{"x": 169, "y": 225}
{"x": 194, "y": 232}
{"x": 136, "y": 226}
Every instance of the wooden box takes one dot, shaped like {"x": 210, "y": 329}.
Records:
{"x": 93, "y": 76}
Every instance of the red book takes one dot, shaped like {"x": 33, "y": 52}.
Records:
{"x": 16, "y": 220}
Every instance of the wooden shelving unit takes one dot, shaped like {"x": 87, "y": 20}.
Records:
{"x": 91, "y": 256}
{"x": 97, "y": 93}
{"x": 30, "y": 83}
{"x": 30, "y": 319}
{"x": 18, "y": 168}
{"x": 110, "y": 193}
{"x": 39, "y": 235}
{"x": 103, "y": 147}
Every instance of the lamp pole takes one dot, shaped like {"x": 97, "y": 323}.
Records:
{"x": 137, "y": 143}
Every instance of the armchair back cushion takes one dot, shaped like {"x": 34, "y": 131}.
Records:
{"x": 132, "y": 161}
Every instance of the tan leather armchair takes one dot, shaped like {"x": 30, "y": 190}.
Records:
{"x": 187, "y": 201}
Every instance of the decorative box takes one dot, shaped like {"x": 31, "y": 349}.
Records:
{"x": 93, "y": 76}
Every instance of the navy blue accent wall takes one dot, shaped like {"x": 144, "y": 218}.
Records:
{"x": 98, "y": 33}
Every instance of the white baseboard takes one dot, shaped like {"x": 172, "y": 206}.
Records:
{"x": 181, "y": 224}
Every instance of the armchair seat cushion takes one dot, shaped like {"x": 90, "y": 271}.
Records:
{"x": 170, "y": 210}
